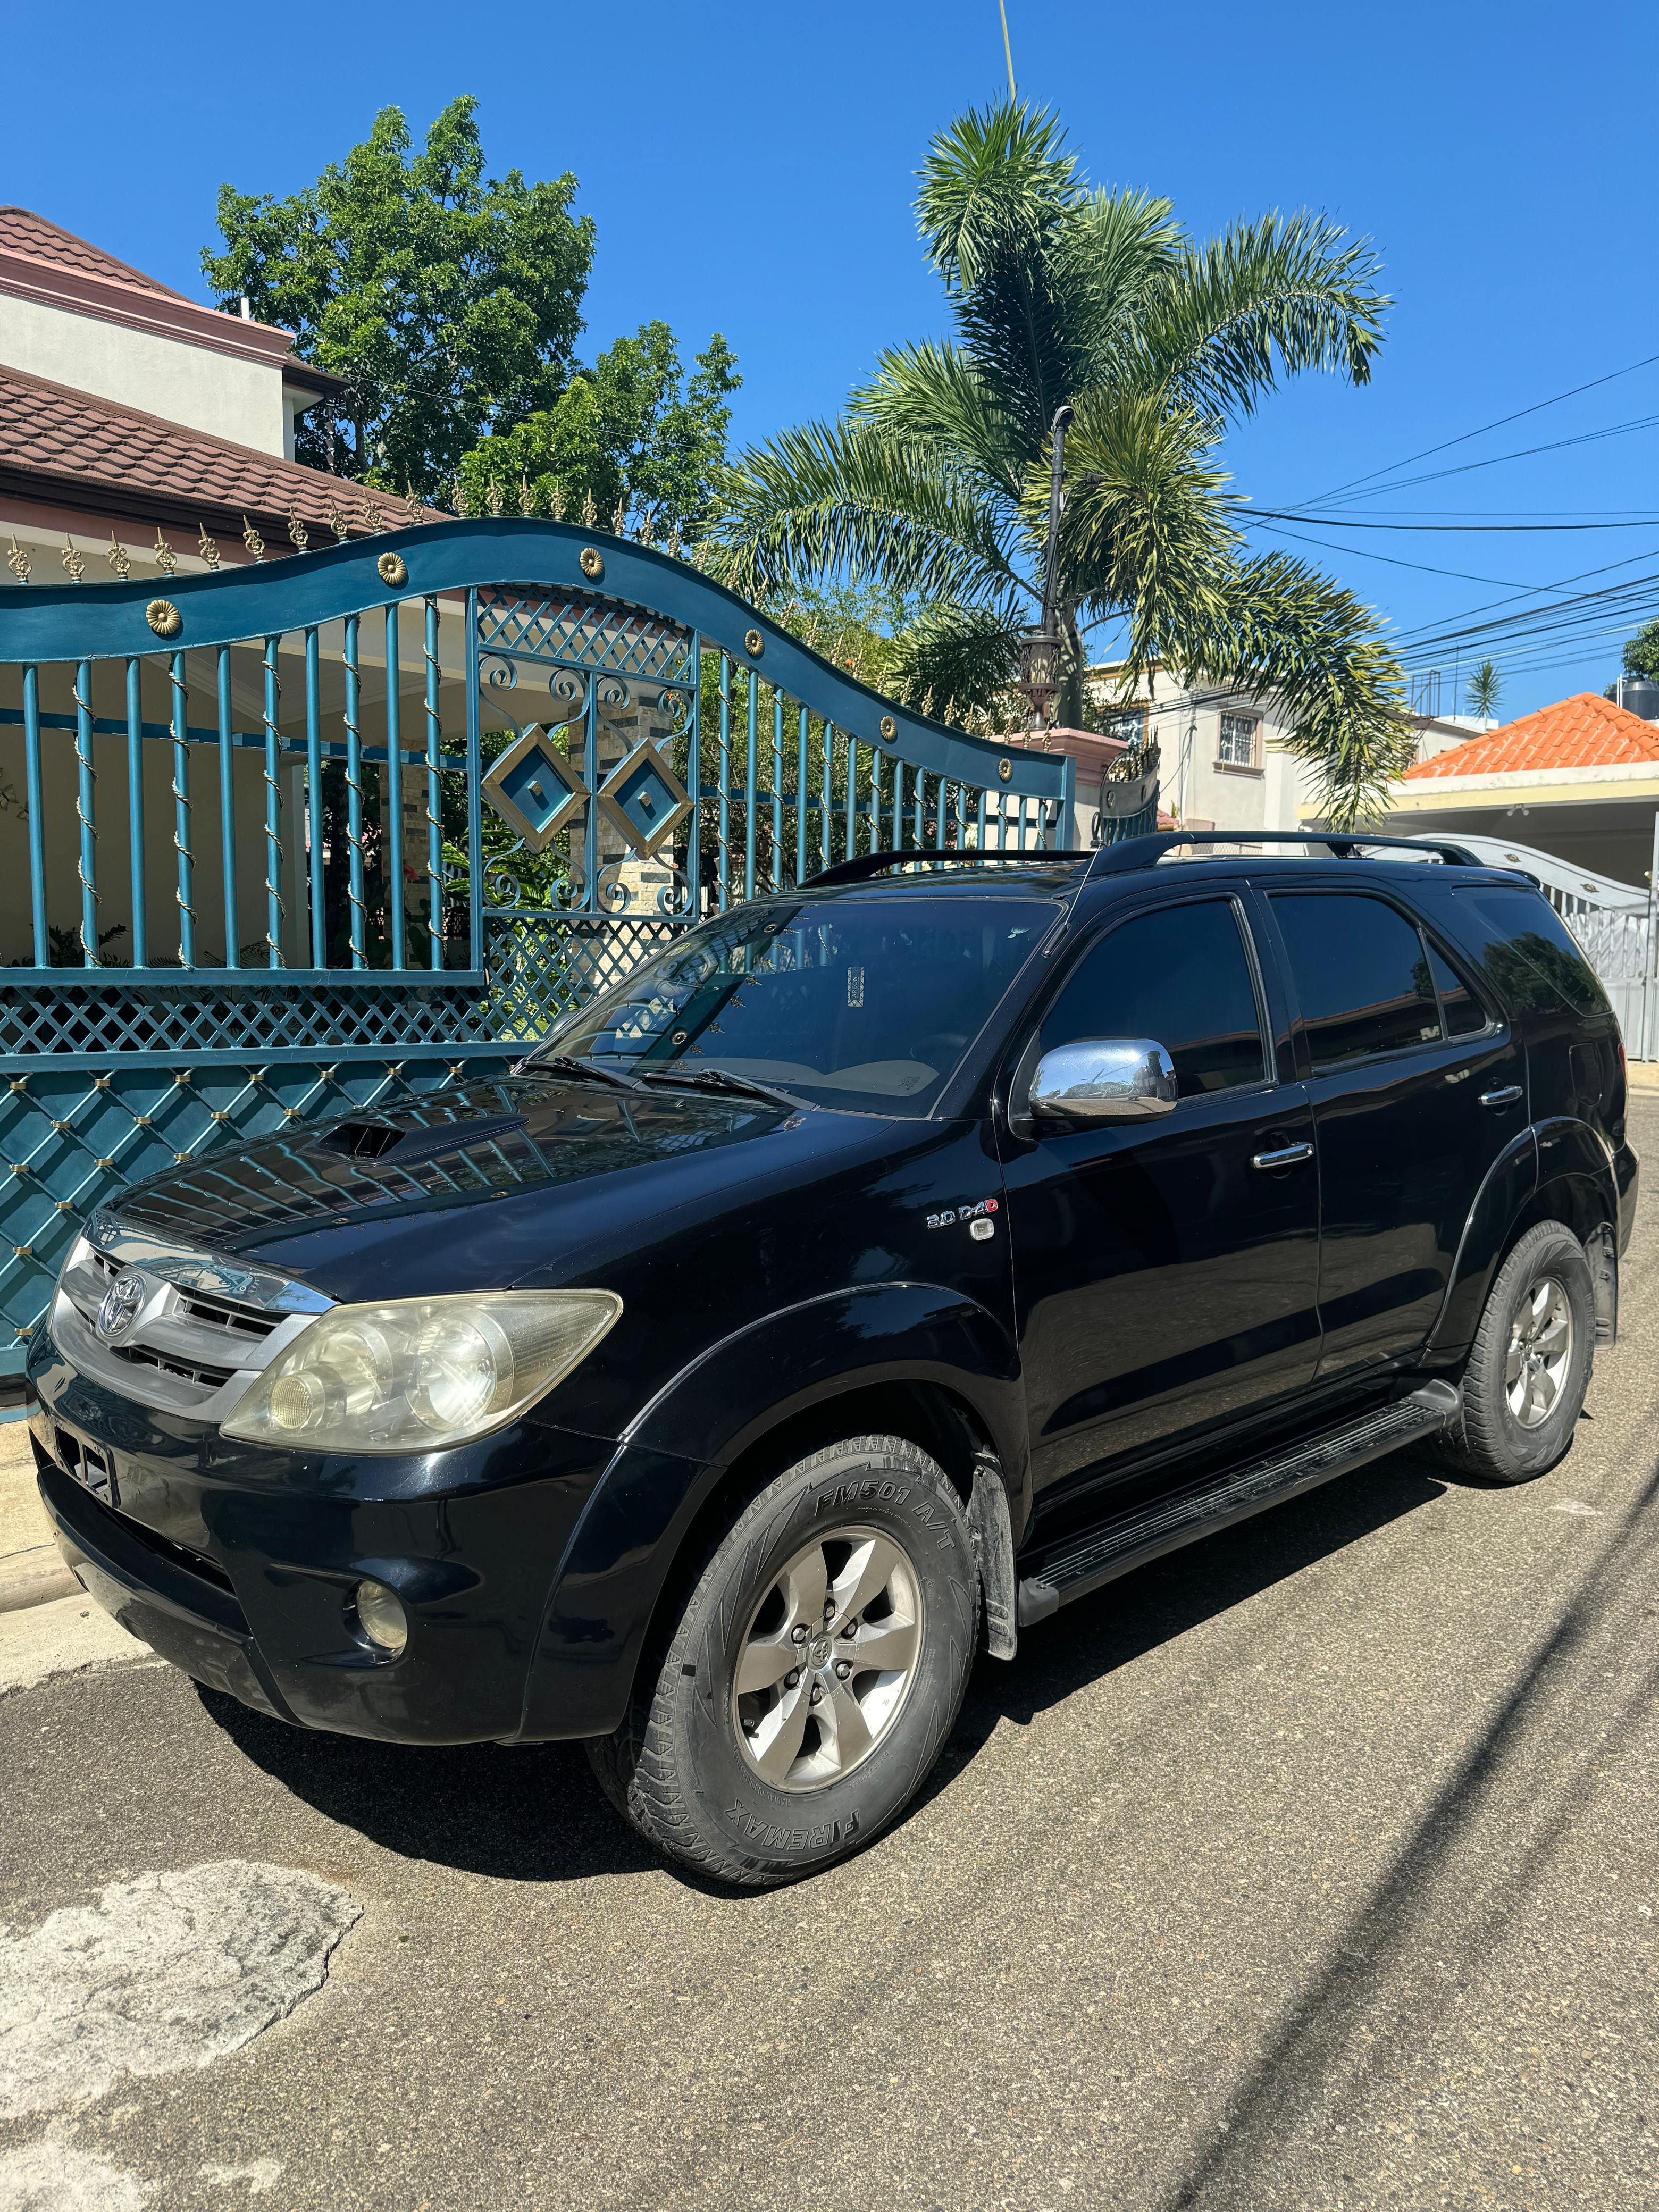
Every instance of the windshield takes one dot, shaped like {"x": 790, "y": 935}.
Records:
{"x": 867, "y": 1003}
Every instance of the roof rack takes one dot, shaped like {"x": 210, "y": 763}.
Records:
{"x": 875, "y": 864}
{"x": 1345, "y": 844}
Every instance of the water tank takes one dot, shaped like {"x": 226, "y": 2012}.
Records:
{"x": 1639, "y": 695}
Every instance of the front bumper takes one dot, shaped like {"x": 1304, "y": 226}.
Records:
{"x": 238, "y": 1566}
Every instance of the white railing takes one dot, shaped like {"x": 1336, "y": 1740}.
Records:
{"x": 1613, "y": 922}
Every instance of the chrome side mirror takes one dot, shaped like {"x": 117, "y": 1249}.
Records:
{"x": 1104, "y": 1079}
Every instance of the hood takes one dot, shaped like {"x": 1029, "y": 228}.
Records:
{"x": 485, "y": 1185}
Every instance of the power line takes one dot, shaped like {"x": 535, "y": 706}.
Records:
{"x": 1463, "y": 438}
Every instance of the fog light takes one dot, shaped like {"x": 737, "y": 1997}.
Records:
{"x": 381, "y": 1617}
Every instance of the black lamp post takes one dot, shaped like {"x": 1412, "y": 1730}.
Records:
{"x": 1039, "y": 648}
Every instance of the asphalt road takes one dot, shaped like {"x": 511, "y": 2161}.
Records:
{"x": 1313, "y": 1868}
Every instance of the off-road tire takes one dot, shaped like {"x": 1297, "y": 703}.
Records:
{"x": 675, "y": 1767}
{"x": 1486, "y": 1440}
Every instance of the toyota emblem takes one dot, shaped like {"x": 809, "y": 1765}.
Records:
{"x": 120, "y": 1307}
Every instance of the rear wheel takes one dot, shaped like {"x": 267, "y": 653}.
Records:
{"x": 813, "y": 1674}
{"x": 1524, "y": 1385}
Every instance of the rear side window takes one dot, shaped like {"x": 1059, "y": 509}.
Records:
{"x": 1462, "y": 1012}
{"x": 1528, "y": 952}
{"x": 1179, "y": 976}
{"x": 1362, "y": 974}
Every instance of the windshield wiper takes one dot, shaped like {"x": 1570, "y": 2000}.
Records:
{"x": 568, "y": 1064}
{"x": 720, "y": 1079}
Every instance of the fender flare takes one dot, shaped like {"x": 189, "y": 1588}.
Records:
{"x": 682, "y": 1442}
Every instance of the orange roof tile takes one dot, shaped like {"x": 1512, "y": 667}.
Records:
{"x": 1582, "y": 731}
{"x": 61, "y": 445}
{"x": 22, "y": 231}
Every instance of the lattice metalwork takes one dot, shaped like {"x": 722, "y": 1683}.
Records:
{"x": 579, "y": 630}
{"x": 251, "y": 1019}
{"x": 544, "y": 965}
{"x": 73, "y": 1138}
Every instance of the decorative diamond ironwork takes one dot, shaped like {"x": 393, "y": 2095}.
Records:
{"x": 535, "y": 787}
{"x": 644, "y": 799}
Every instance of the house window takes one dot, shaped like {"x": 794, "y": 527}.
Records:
{"x": 1237, "y": 747}
{"x": 1127, "y": 723}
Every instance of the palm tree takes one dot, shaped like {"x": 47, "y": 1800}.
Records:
{"x": 933, "y": 487}
{"x": 1484, "y": 691}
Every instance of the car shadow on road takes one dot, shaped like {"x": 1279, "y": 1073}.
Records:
{"x": 536, "y": 1813}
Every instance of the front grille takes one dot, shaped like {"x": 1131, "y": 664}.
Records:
{"x": 227, "y": 1314}
{"x": 187, "y": 1370}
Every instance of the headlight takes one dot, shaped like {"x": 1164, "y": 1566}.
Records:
{"x": 418, "y": 1373}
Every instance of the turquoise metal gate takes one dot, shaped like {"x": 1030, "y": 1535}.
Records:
{"x": 349, "y": 827}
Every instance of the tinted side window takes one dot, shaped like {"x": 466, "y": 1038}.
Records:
{"x": 1179, "y": 976}
{"x": 1529, "y": 951}
{"x": 1464, "y": 1014}
{"x": 1361, "y": 972}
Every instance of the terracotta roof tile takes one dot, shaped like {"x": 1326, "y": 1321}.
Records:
{"x": 1582, "y": 731}
{"x": 65, "y": 443}
{"x": 22, "y": 231}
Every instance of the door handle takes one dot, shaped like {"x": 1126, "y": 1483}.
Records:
{"x": 1499, "y": 1099}
{"x": 1286, "y": 1156}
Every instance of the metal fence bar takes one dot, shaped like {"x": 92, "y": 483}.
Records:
{"x": 474, "y": 780}
{"x": 227, "y": 810}
{"x": 36, "y": 803}
{"x": 851, "y": 798}
{"x": 181, "y": 832}
{"x": 897, "y": 832}
{"x": 272, "y": 711}
{"x": 314, "y": 800}
{"x": 694, "y": 787}
{"x": 776, "y": 869}
{"x": 85, "y": 779}
{"x": 800, "y": 798}
{"x": 136, "y": 813}
{"x": 354, "y": 776}
{"x": 434, "y": 805}
{"x": 393, "y": 788}
{"x": 823, "y": 806}
{"x": 751, "y": 688}
{"x": 723, "y": 780}
{"x": 920, "y": 824}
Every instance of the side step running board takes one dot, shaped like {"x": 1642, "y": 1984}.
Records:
{"x": 1112, "y": 1548}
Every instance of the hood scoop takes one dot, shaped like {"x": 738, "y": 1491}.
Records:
{"x": 401, "y": 1147}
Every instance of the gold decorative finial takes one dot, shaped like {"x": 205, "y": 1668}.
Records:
{"x": 494, "y": 496}
{"x": 374, "y": 514}
{"x": 674, "y": 543}
{"x": 618, "y": 520}
{"x": 525, "y": 504}
{"x": 557, "y": 503}
{"x": 251, "y": 540}
{"x": 166, "y": 559}
{"x": 590, "y": 512}
{"x": 18, "y": 560}
{"x": 647, "y": 533}
{"x": 299, "y": 536}
{"x": 206, "y": 547}
{"x": 74, "y": 562}
{"x": 117, "y": 557}
{"x": 335, "y": 521}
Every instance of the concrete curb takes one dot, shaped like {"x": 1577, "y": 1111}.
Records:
{"x": 34, "y": 1577}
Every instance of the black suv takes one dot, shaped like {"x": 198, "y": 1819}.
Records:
{"x": 882, "y": 1266}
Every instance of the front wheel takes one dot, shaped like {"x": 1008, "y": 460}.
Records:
{"x": 1524, "y": 1385}
{"x": 817, "y": 1668}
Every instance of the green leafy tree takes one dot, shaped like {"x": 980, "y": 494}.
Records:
{"x": 932, "y": 488}
{"x": 633, "y": 430}
{"x": 450, "y": 303}
{"x": 1483, "y": 691}
{"x": 1642, "y": 652}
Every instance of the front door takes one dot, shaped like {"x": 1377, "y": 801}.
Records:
{"x": 1417, "y": 1087}
{"x": 1165, "y": 1272}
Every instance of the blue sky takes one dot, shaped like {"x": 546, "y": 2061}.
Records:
{"x": 751, "y": 169}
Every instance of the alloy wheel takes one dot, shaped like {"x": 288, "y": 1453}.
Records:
{"x": 1540, "y": 1352}
{"x": 828, "y": 1658}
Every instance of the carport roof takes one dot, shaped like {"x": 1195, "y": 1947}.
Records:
{"x": 1582, "y": 731}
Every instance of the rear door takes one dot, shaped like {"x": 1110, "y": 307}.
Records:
{"x": 1165, "y": 1272}
{"x": 1417, "y": 1086}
